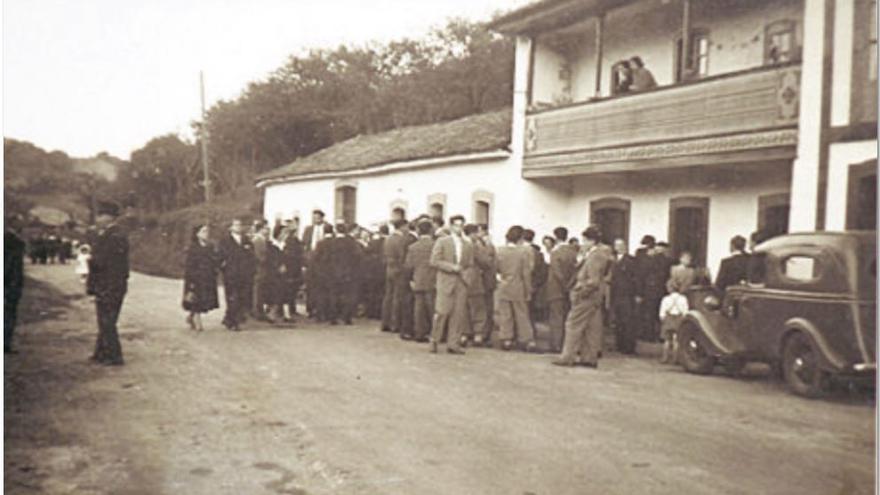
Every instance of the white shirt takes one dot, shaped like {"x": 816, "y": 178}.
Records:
{"x": 674, "y": 304}
{"x": 317, "y": 234}
{"x": 236, "y": 237}
{"x": 457, "y": 241}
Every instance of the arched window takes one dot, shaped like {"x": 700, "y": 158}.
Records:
{"x": 482, "y": 207}
{"x": 346, "y": 202}
{"x": 398, "y": 208}
{"x": 437, "y": 205}
{"x": 611, "y": 215}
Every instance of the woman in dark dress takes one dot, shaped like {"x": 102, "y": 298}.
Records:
{"x": 291, "y": 270}
{"x": 200, "y": 277}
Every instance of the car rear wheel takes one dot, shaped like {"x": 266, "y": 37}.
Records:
{"x": 800, "y": 366}
{"x": 693, "y": 352}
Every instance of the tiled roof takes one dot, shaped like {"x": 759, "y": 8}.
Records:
{"x": 476, "y": 133}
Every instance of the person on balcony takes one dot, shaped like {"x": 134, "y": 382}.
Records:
{"x": 622, "y": 78}
{"x": 642, "y": 79}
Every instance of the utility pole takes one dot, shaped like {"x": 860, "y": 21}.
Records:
{"x": 204, "y": 139}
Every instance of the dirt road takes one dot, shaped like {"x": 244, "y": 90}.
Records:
{"x": 349, "y": 410}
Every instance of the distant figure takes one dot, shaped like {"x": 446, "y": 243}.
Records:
{"x": 563, "y": 267}
{"x": 623, "y": 78}
{"x": 683, "y": 275}
{"x": 642, "y": 79}
{"x": 513, "y": 292}
{"x": 83, "y": 257}
{"x": 451, "y": 257}
{"x": 423, "y": 281}
{"x": 13, "y": 278}
{"x": 239, "y": 265}
{"x": 344, "y": 260}
{"x": 624, "y": 297}
{"x": 108, "y": 282}
{"x": 200, "y": 277}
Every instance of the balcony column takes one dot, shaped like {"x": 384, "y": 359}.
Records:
{"x": 523, "y": 60}
{"x": 685, "y": 38}
{"x": 600, "y": 23}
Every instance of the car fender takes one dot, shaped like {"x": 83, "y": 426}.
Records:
{"x": 828, "y": 355}
{"x": 714, "y": 332}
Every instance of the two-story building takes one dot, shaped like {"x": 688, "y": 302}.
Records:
{"x": 739, "y": 122}
{"x": 763, "y": 116}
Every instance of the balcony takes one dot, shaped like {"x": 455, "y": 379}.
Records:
{"x": 735, "y": 117}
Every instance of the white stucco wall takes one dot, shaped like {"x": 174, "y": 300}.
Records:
{"x": 733, "y": 200}
{"x": 840, "y": 157}
{"x": 736, "y": 35}
{"x": 514, "y": 200}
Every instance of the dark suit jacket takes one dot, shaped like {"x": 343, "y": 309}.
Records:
{"x": 239, "y": 261}
{"x": 563, "y": 267}
{"x": 307, "y": 237}
{"x": 395, "y": 254}
{"x": 489, "y": 280}
{"x": 512, "y": 265}
{"x": 733, "y": 270}
{"x": 473, "y": 276}
{"x": 343, "y": 262}
{"x": 624, "y": 279}
{"x": 591, "y": 278}
{"x": 108, "y": 269}
{"x": 418, "y": 264}
{"x": 448, "y": 279}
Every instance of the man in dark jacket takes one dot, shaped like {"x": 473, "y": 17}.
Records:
{"x": 539, "y": 276}
{"x": 13, "y": 277}
{"x": 734, "y": 269}
{"x": 563, "y": 267}
{"x": 312, "y": 235}
{"x": 239, "y": 266}
{"x": 343, "y": 258}
{"x": 108, "y": 281}
{"x": 423, "y": 280}
{"x": 624, "y": 297}
{"x": 374, "y": 273}
{"x": 396, "y": 308}
{"x": 489, "y": 283}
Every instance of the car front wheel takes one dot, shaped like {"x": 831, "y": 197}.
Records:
{"x": 800, "y": 366}
{"x": 693, "y": 352}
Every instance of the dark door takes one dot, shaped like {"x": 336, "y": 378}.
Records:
{"x": 689, "y": 227}
{"x": 776, "y": 220}
{"x": 611, "y": 215}
{"x": 865, "y": 198}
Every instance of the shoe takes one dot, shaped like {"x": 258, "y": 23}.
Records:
{"x": 507, "y": 345}
{"x": 422, "y": 340}
{"x": 190, "y": 321}
{"x": 114, "y": 362}
{"x": 334, "y": 322}
{"x": 348, "y": 322}
{"x": 595, "y": 365}
{"x": 385, "y": 329}
{"x": 560, "y": 362}
{"x": 478, "y": 340}
{"x": 432, "y": 348}
{"x": 455, "y": 351}
{"x": 464, "y": 341}
{"x": 532, "y": 347}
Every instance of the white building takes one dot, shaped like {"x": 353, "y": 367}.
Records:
{"x": 732, "y": 140}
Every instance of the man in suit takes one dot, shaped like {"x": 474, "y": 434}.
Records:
{"x": 583, "y": 327}
{"x": 13, "y": 277}
{"x": 396, "y": 308}
{"x": 312, "y": 235}
{"x": 318, "y": 276}
{"x": 489, "y": 283}
{"x": 563, "y": 267}
{"x": 539, "y": 275}
{"x": 238, "y": 266}
{"x": 259, "y": 239}
{"x": 512, "y": 294}
{"x": 624, "y": 297}
{"x": 374, "y": 268}
{"x": 342, "y": 274}
{"x": 108, "y": 282}
{"x": 734, "y": 269}
{"x": 423, "y": 280}
{"x": 473, "y": 278}
{"x": 451, "y": 257}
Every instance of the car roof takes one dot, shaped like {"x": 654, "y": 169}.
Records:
{"x": 839, "y": 240}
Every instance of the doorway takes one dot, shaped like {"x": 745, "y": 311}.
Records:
{"x": 689, "y": 227}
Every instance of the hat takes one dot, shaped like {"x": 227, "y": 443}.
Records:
{"x": 318, "y": 211}
{"x": 107, "y": 208}
{"x": 648, "y": 240}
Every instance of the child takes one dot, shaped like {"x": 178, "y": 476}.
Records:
{"x": 673, "y": 307}
{"x": 683, "y": 275}
{"x": 83, "y": 255}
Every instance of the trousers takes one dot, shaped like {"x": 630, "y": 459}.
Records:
{"x": 107, "y": 347}
{"x": 423, "y": 313}
{"x": 583, "y": 331}
{"x": 558, "y": 311}
{"x": 512, "y": 318}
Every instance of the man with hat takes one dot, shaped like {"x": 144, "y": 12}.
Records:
{"x": 108, "y": 281}
{"x": 312, "y": 235}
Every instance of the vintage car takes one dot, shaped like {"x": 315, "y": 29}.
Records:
{"x": 808, "y": 308}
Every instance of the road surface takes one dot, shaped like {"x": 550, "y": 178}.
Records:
{"x": 350, "y": 410}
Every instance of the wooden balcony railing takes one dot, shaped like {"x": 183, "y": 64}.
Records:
{"x": 760, "y": 103}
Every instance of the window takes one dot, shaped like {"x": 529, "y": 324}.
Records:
{"x": 800, "y": 268}
{"x": 437, "y": 205}
{"x": 773, "y": 213}
{"x": 689, "y": 227}
{"x": 861, "y": 208}
{"x": 611, "y": 215}
{"x": 863, "y": 104}
{"x": 398, "y": 209}
{"x": 697, "y": 62}
{"x": 780, "y": 45}
{"x": 482, "y": 207}
{"x": 346, "y": 204}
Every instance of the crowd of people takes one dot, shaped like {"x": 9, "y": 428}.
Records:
{"x": 49, "y": 248}
{"x": 433, "y": 282}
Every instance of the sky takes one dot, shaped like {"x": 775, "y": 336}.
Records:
{"x": 107, "y": 75}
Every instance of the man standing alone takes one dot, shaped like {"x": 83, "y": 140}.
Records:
{"x": 239, "y": 265}
{"x": 451, "y": 256}
{"x": 108, "y": 282}
{"x": 583, "y": 328}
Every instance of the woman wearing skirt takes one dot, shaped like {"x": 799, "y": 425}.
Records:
{"x": 200, "y": 277}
